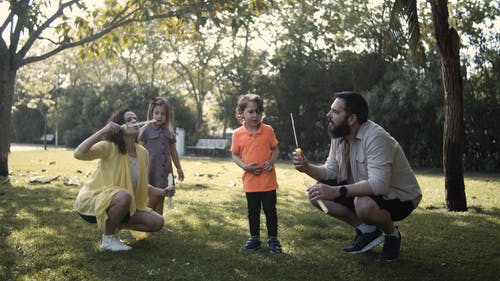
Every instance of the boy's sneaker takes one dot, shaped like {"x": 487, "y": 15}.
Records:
{"x": 364, "y": 242}
{"x": 253, "y": 243}
{"x": 274, "y": 245}
{"x": 113, "y": 244}
{"x": 392, "y": 246}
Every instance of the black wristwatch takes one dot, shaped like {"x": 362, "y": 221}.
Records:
{"x": 343, "y": 191}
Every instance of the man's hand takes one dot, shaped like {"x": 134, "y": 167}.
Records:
{"x": 321, "y": 191}
{"x": 300, "y": 162}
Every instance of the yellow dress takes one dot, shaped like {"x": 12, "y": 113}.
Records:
{"x": 111, "y": 176}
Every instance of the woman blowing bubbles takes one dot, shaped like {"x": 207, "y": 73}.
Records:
{"x": 117, "y": 193}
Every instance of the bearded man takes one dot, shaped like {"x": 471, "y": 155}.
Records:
{"x": 366, "y": 180}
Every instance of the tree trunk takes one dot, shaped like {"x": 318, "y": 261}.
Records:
{"x": 7, "y": 81}
{"x": 224, "y": 122}
{"x": 448, "y": 42}
{"x": 198, "y": 124}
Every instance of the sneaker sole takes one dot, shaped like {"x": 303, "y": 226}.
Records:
{"x": 250, "y": 249}
{"x": 375, "y": 242}
{"x": 386, "y": 260}
{"x": 116, "y": 250}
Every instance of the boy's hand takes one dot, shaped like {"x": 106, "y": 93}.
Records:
{"x": 268, "y": 165}
{"x": 253, "y": 169}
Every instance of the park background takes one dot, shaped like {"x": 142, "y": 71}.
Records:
{"x": 201, "y": 55}
{"x": 296, "y": 56}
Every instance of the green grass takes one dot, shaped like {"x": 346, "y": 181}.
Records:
{"x": 42, "y": 238}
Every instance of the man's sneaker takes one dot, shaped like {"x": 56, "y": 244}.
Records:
{"x": 274, "y": 245}
{"x": 392, "y": 246}
{"x": 253, "y": 243}
{"x": 364, "y": 242}
{"x": 113, "y": 244}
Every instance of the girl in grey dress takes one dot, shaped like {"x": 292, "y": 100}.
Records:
{"x": 160, "y": 141}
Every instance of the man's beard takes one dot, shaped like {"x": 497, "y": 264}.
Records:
{"x": 340, "y": 131}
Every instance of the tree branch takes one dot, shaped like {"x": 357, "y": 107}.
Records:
{"x": 72, "y": 44}
{"x": 20, "y": 11}
{"x": 6, "y": 22}
{"x": 103, "y": 32}
{"x": 192, "y": 83}
{"x": 36, "y": 34}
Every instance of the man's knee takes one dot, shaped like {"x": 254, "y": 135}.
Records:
{"x": 365, "y": 207}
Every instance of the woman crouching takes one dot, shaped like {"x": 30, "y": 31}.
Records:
{"x": 116, "y": 195}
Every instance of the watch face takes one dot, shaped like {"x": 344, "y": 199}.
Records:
{"x": 343, "y": 191}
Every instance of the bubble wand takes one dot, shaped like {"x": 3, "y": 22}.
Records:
{"x": 138, "y": 124}
{"x": 320, "y": 202}
{"x": 299, "y": 153}
{"x": 170, "y": 186}
{"x": 297, "y": 148}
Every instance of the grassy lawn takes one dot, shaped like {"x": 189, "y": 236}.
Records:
{"x": 42, "y": 238}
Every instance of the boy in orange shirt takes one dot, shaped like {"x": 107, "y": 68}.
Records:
{"x": 255, "y": 149}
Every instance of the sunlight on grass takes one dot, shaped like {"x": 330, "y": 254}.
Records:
{"x": 42, "y": 238}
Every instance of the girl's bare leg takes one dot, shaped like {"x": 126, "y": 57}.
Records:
{"x": 156, "y": 199}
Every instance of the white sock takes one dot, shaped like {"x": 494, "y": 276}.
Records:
{"x": 366, "y": 228}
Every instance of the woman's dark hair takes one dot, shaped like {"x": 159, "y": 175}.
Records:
{"x": 117, "y": 138}
{"x": 354, "y": 104}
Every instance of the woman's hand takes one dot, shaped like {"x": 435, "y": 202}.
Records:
{"x": 108, "y": 129}
{"x": 112, "y": 128}
{"x": 169, "y": 191}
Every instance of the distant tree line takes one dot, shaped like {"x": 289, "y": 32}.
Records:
{"x": 406, "y": 102}
{"x": 308, "y": 61}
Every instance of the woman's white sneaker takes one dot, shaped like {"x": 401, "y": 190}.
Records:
{"x": 113, "y": 244}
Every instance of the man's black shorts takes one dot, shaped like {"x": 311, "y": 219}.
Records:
{"x": 397, "y": 208}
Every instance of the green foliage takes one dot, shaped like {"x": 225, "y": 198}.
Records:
{"x": 28, "y": 125}
{"x": 306, "y": 87}
{"x": 94, "y": 106}
{"x": 481, "y": 107}
{"x": 238, "y": 74}
{"x": 316, "y": 49}
{"x": 408, "y": 10}
{"x": 183, "y": 116}
{"x": 300, "y": 82}
{"x": 411, "y": 110}
{"x": 42, "y": 238}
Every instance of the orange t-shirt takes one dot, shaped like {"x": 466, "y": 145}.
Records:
{"x": 256, "y": 147}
